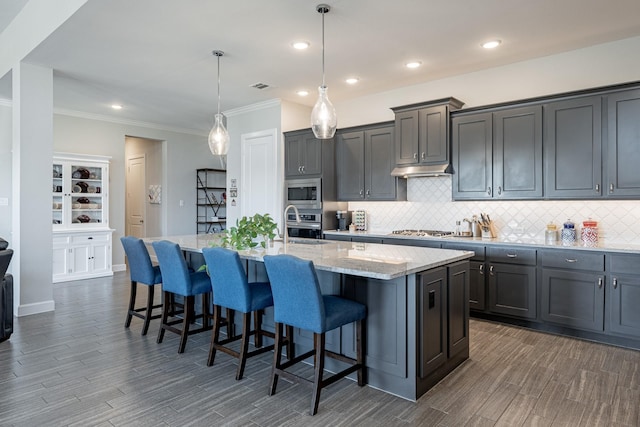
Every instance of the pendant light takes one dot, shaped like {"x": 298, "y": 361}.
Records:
{"x": 323, "y": 115}
{"x": 218, "y": 137}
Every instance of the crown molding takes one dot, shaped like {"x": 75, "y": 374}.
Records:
{"x": 253, "y": 107}
{"x": 103, "y": 118}
{"x": 99, "y": 117}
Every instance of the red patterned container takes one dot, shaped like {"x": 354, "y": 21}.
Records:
{"x": 589, "y": 234}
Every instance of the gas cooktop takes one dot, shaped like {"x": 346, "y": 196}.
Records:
{"x": 422, "y": 233}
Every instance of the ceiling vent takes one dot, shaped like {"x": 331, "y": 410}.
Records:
{"x": 260, "y": 85}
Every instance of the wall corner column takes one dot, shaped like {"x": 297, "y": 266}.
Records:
{"x": 31, "y": 189}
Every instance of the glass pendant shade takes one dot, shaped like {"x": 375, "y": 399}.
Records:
{"x": 323, "y": 116}
{"x": 219, "y": 138}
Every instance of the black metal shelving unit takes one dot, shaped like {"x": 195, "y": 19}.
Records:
{"x": 211, "y": 204}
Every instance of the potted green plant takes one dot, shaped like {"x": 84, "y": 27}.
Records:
{"x": 247, "y": 229}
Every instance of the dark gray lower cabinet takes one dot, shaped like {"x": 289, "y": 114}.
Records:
{"x": 477, "y": 288}
{"x": 443, "y": 321}
{"x": 432, "y": 328}
{"x": 477, "y": 276}
{"x": 573, "y": 298}
{"x": 623, "y": 295}
{"x": 512, "y": 281}
{"x": 572, "y": 288}
{"x": 512, "y": 290}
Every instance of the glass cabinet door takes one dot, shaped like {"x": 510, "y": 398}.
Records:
{"x": 58, "y": 194}
{"x": 86, "y": 194}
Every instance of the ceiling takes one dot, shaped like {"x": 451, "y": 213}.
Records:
{"x": 154, "y": 56}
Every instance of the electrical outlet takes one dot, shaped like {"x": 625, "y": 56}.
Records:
{"x": 182, "y": 203}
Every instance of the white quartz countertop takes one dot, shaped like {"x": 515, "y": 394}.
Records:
{"x": 359, "y": 259}
{"x": 602, "y": 246}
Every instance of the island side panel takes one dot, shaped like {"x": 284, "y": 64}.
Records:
{"x": 389, "y": 353}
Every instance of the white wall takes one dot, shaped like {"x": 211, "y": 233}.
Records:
{"x": 254, "y": 118}
{"x": 599, "y": 65}
{"x": 5, "y": 170}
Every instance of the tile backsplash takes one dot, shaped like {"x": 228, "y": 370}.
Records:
{"x": 429, "y": 206}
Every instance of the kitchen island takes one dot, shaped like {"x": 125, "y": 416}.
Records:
{"x": 417, "y": 326}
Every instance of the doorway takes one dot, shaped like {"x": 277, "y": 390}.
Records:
{"x": 143, "y": 176}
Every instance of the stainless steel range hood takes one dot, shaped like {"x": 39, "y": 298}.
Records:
{"x": 422, "y": 170}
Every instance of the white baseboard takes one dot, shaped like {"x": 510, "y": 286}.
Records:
{"x": 35, "y": 308}
{"x": 119, "y": 267}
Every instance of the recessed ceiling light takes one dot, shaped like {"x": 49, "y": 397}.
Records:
{"x": 352, "y": 80}
{"x": 413, "y": 64}
{"x": 492, "y": 44}
{"x": 116, "y": 106}
{"x": 302, "y": 93}
{"x": 300, "y": 45}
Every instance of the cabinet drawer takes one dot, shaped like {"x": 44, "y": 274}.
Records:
{"x": 478, "y": 250}
{"x": 60, "y": 240}
{"x": 90, "y": 238}
{"x": 629, "y": 264}
{"x": 512, "y": 255}
{"x": 572, "y": 260}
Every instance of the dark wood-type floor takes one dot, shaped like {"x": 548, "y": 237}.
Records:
{"x": 79, "y": 366}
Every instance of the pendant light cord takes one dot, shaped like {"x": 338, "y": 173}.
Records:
{"x": 323, "y": 84}
{"x": 218, "y": 55}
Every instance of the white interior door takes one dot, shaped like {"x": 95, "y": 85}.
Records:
{"x": 261, "y": 192}
{"x": 136, "y": 172}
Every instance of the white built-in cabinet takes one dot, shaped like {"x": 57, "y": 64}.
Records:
{"x": 80, "y": 215}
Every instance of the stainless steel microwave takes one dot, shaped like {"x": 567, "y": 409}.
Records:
{"x": 304, "y": 193}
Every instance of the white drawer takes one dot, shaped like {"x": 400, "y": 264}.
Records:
{"x": 88, "y": 238}
{"x": 60, "y": 240}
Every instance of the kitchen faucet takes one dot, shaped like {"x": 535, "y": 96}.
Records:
{"x": 286, "y": 231}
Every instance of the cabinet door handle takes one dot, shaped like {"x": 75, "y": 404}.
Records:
{"x": 615, "y": 282}
{"x": 512, "y": 255}
{"x": 361, "y": 193}
{"x": 302, "y": 168}
{"x": 600, "y": 282}
{"x": 570, "y": 260}
{"x": 481, "y": 269}
{"x": 90, "y": 238}
{"x": 424, "y": 155}
{"x": 491, "y": 270}
{"x": 415, "y": 156}
{"x": 598, "y": 188}
{"x": 368, "y": 193}
{"x": 489, "y": 191}
{"x": 610, "y": 188}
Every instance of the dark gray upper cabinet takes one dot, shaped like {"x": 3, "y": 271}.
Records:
{"x": 422, "y": 132}
{"x": 350, "y": 165}
{"x": 498, "y": 154}
{"x": 623, "y": 144}
{"x": 472, "y": 147}
{"x": 364, "y": 161}
{"x": 517, "y": 162}
{"x": 573, "y": 148}
{"x": 302, "y": 154}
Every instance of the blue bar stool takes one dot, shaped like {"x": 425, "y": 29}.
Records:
{"x": 178, "y": 280}
{"x": 232, "y": 291}
{"x": 142, "y": 271}
{"x": 298, "y": 302}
